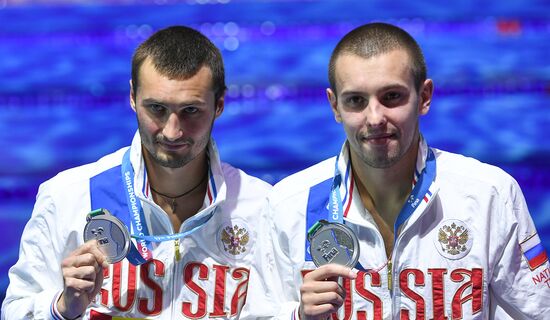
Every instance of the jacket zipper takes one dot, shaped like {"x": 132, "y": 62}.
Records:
{"x": 177, "y": 249}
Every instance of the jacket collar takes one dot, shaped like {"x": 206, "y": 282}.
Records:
{"x": 354, "y": 210}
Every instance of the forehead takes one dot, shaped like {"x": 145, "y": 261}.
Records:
{"x": 353, "y": 72}
{"x": 151, "y": 79}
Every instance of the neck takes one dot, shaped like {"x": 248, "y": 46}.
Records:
{"x": 173, "y": 182}
{"x": 385, "y": 190}
{"x": 179, "y": 191}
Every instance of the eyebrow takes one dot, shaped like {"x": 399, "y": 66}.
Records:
{"x": 150, "y": 101}
{"x": 382, "y": 89}
{"x": 394, "y": 86}
{"x": 184, "y": 104}
{"x": 352, "y": 93}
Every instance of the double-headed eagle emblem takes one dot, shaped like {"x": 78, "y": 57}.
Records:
{"x": 453, "y": 239}
{"x": 234, "y": 239}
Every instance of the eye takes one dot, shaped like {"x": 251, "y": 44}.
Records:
{"x": 392, "y": 96}
{"x": 190, "y": 110}
{"x": 354, "y": 101}
{"x": 156, "y": 108}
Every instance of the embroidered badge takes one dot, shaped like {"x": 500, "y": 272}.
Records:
{"x": 454, "y": 239}
{"x": 533, "y": 251}
{"x": 234, "y": 239}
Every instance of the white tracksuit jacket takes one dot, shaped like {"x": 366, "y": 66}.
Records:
{"x": 217, "y": 273}
{"x": 468, "y": 251}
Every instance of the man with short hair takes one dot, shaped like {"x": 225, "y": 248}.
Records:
{"x": 439, "y": 235}
{"x": 192, "y": 217}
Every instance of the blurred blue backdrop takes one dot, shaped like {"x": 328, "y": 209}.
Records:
{"x": 65, "y": 66}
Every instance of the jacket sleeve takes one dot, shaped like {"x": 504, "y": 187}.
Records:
{"x": 519, "y": 286}
{"x": 36, "y": 279}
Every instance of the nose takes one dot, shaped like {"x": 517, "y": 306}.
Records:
{"x": 172, "y": 128}
{"x": 375, "y": 114}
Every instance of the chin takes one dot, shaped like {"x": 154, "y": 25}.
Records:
{"x": 379, "y": 159}
{"x": 170, "y": 161}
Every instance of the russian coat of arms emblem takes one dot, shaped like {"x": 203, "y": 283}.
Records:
{"x": 234, "y": 239}
{"x": 454, "y": 239}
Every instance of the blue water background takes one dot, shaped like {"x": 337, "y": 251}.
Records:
{"x": 65, "y": 65}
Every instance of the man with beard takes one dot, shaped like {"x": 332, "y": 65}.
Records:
{"x": 192, "y": 219}
{"x": 418, "y": 233}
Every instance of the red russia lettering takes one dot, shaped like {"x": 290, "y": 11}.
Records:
{"x": 472, "y": 281}
{"x": 124, "y": 284}
{"x": 359, "y": 286}
{"x": 438, "y": 293}
{"x": 158, "y": 271}
{"x": 198, "y": 290}
{"x": 418, "y": 278}
{"x": 219, "y": 293}
{"x": 241, "y": 275}
{"x": 104, "y": 293}
{"x": 239, "y": 297}
{"x": 130, "y": 288}
{"x": 118, "y": 289}
{"x": 475, "y": 284}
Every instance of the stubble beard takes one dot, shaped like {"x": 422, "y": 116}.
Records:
{"x": 169, "y": 159}
{"x": 380, "y": 160}
{"x": 386, "y": 158}
{"x": 379, "y": 157}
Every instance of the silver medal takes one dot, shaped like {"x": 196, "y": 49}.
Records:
{"x": 111, "y": 235}
{"x": 333, "y": 243}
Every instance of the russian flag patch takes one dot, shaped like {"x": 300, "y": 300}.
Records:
{"x": 534, "y": 252}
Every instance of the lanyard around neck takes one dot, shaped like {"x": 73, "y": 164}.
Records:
{"x": 419, "y": 191}
{"x": 139, "y": 229}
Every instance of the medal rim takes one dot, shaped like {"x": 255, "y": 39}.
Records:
{"x": 336, "y": 225}
{"x": 121, "y": 226}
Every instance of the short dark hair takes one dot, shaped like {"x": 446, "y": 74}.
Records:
{"x": 179, "y": 52}
{"x": 372, "y": 39}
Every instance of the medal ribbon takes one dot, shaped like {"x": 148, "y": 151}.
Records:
{"x": 418, "y": 193}
{"x": 336, "y": 211}
{"x": 421, "y": 188}
{"x": 144, "y": 251}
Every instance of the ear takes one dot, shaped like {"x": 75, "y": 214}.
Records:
{"x": 334, "y": 105}
{"x": 426, "y": 93}
{"x": 220, "y": 104}
{"x": 132, "y": 98}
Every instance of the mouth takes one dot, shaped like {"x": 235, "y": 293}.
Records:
{"x": 379, "y": 138}
{"x": 173, "y": 146}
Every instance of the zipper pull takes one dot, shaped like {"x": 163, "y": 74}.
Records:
{"x": 177, "y": 249}
{"x": 389, "y": 275}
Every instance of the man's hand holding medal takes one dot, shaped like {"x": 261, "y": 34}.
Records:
{"x": 82, "y": 278}
{"x": 106, "y": 241}
{"x": 334, "y": 249}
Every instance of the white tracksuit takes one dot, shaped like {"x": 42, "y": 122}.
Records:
{"x": 217, "y": 273}
{"x": 468, "y": 251}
